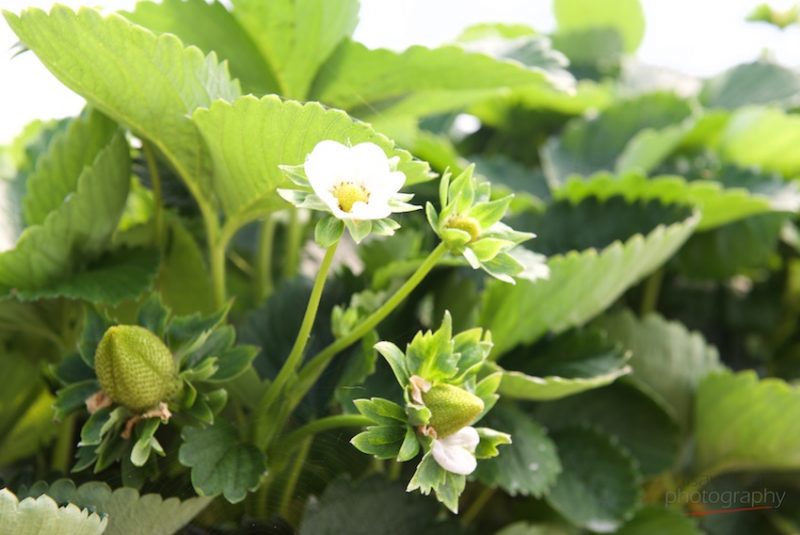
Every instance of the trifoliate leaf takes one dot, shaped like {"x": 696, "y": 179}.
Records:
{"x": 221, "y": 463}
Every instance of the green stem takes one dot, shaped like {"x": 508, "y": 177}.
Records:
{"x": 62, "y": 449}
{"x": 264, "y": 259}
{"x": 294, "y": 476}
{"x": 312, "y": 371}
{"x": 477, "y": 506}
{"x": 289, "y": 368}
{"x": 217, "y": 259}
{"x": 652, "y": 288}
{"x": 261, "y": 505}
{"x": 294, "y": 238}
{"x": 323, "y": 424}
{"x": 155, "y": 180}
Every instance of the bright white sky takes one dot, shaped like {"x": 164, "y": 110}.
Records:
{"x": 699, "y": 37}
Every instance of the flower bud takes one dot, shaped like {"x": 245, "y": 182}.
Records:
{"x": 452, "y": 408}
{"x": 135, "y": 368}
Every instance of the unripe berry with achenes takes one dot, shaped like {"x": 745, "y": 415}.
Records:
{"x": 135, "y": 368}
{"x": 452, "y": 408}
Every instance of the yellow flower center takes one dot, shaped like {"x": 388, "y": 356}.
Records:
{"x": 347, "y": 194}
{"x": 468, "y": 224}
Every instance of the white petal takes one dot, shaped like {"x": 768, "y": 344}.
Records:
{"x": 372, "y": 210}
{"x": 327, "y": 164}
{"x": 369, "y": 164}
{"x": 466, "y": 437}
{"x": 454, "y": 459}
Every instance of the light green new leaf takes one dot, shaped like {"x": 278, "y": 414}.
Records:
{"x": 746, "y": 423}
{"x": 625, "y": 16}
{"x": 150, "y": 84}
{"x": 419, "y": 81}
{"x": 529, "y": 465}
{"x": 763, "y": 137}
{"x": 43, "y": 516}
{"x": 127, "y": 511}
{"x": 251, "y": 137}
{"x": 581, "y": 285}
{"x": 80, "y": 226}
{"x": 717, "y": 205}
{"x": 297, "y": 36}
{"x": 598, "y": 488}
{"x": 210, "y": 27}
{"x": 668, "y": 361}
{"x": 221, "y": 463}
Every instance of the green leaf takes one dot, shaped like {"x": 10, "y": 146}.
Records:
{"x": 731, "y": 249}
{"x": 668, "y": 361}
{"x": 524, "y": 528}
{"x": 118, "y": 276}
{"x": 419, "y": 81}
{"x": 251, "y": 137}
{"x": 297, "y": 36}
{"x": 42, "y": 516}
{"x": 529, "y": 465}
{"x": 598, "y": 488}
{"x": 210, "y": 27}
{"x": 594, "y": 52}
{"x": 58, "y": 170}
{"x": 570, "y": 364}
{"x": 104, "y": 59}
{"x": 759, "y": 137}
{"x": 746, "y": 423}
{"x": 581, "y": 283}
{"x": 589, "y": 145}
{"x": 80, "y": 226}
{"x": 718, "y": 205}
{"x": 366, "y": 507}
{"x": 234, "y": 362}
{"x": 184, "y": 282}
{"x": 221, "y": 463}
{"x": 641, "y": 425}
{"x": 128, "y": 512}
{"x": 653, "y": 519}
{"x": 625, "y": 16}
{"x": 761, "y": 82}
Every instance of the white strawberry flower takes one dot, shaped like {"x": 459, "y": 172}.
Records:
{"x": 358, "y": 185}
{"x": 456, "y": 453}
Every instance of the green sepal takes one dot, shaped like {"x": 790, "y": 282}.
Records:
{"x": 410, "y": 447}
{"x": 381, "y": 411}
{"x": 382, "y": 441}
{"x": 490, "y": 440}
{"x": 328, "y": 231}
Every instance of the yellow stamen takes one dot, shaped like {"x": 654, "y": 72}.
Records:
{"x": 467, "y": 224}
{"x": 347, "y": 194}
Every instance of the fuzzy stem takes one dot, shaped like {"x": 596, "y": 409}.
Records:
{"x": 263, "y": 275}
{"x": 294, "y": 237}
{"x": 289, "y": 368}
{"x": 652, "y": 288}
{"x": 158, "y": 198}
{"x": 294, "y": 475}
{"x": 477, "y": 506}
{"x": 312, "y": 371}
{"x": 323, "y": 424}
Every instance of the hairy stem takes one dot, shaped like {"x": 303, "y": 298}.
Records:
{"x": 294, "y": 476}
{"x": 652, "y": 289}
{"x": 263, "y": 274}
{"x": 312, "y": 371}
{"x": 477, "y": 505}
{"x": 294, "y": 238}
{"x": 158, "y": 198}
{"x": 297, "y": 436}
{"x": 289, "y": 368}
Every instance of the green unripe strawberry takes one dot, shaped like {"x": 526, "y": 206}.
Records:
{"x": 468, "y": 224}
{"x": 135, "y": 368}
{"x": 451, "y": 408}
